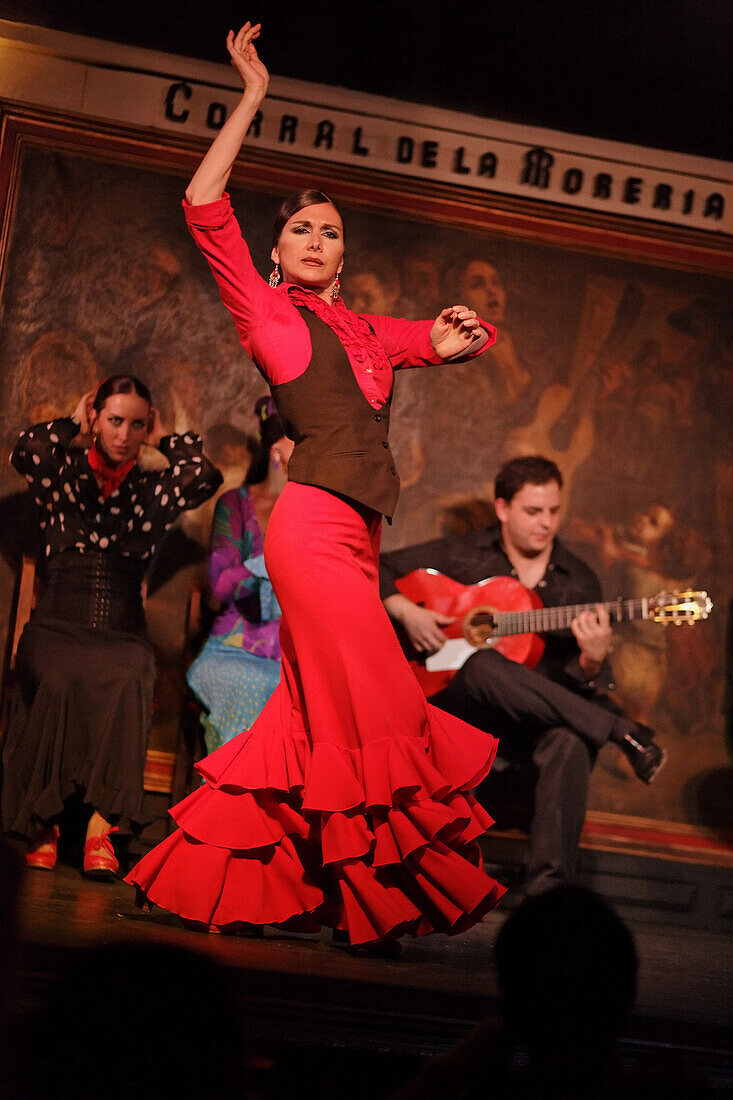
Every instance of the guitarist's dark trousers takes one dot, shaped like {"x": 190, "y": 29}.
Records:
{"x": 548, "y": 716}
{"x": 559, "y": 729}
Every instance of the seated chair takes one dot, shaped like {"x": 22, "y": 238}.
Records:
{"x": 25, "y": 598}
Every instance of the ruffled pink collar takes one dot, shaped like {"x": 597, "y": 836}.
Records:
{"x": 351, "y": 329}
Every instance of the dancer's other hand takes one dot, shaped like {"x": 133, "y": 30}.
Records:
{"x": 455, "y": 330}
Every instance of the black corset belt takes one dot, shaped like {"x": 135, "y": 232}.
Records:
{"x": 97, "y": 589}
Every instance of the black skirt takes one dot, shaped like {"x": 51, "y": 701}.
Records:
{"x": 81, "y": 716}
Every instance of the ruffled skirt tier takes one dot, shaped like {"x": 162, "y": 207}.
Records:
{"x": 348, "y": 803}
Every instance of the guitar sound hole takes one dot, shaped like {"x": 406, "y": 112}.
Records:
{"x": 478, "y": 627}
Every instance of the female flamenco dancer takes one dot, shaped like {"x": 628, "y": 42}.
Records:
{"x": 347, "y": 803}
{"x": 85, "y": 668}
{"x": 238, "y": 667}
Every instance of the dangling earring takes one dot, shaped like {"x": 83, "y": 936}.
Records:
{"x": 275, "y": 277}
{"x": 335, "y": 290}
{"x": 275, "y": 460}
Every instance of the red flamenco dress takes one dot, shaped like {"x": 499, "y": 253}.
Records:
{"x": 347, "y": 804}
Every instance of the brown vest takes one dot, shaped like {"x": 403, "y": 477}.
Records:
{"x": 340, "y": 439}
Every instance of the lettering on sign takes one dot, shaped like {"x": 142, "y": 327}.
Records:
{"x": 537, "y": 172}
{"x": 550, "y": 174}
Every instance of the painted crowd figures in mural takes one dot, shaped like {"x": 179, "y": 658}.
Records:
{"x": 348, "y": 802}
{"x": 649, "y": 552}
{"x": 80, "y": 720}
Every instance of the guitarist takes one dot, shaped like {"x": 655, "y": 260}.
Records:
{"x": 557, "y": 713}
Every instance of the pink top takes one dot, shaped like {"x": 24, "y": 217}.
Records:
{"x": 274, "y": 334}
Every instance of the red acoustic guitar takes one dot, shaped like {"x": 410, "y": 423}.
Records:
{"x": 502, "y": 614}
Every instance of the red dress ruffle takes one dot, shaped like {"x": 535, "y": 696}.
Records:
{"x": 363, "y": 822}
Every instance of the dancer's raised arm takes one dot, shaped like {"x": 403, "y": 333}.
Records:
{"x": 211, "y": 176}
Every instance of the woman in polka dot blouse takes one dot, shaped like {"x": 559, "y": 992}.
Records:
{"x": 86, "y": 670}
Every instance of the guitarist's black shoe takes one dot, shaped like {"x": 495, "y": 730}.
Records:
{"x": 646, "y": 757}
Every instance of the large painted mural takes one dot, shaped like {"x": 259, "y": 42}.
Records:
{"x": 619, "y": 370}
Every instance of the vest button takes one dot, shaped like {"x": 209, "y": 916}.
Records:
{"x": 392, "y": 470}
{"x": 378, "y": 418}
{"x": 385, "y": 443}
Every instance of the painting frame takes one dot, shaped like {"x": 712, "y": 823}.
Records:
{"x": 652, "y": 245}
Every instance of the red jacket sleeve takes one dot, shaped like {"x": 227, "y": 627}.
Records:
{"x": 407, "y": 343}
{"x": 269, "y": 329}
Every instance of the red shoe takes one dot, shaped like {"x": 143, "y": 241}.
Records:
{"x": 43, "y": 861}
{"x": 100, "y": 861}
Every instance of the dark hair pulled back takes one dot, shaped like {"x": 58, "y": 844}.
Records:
{"x": 120, "y": 383}
{"x": 295, "y": 202}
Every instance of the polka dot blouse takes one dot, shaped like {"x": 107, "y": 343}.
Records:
{"x": 133, "y": 519}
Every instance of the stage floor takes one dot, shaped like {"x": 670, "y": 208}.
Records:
{"x": 303, "y": 991}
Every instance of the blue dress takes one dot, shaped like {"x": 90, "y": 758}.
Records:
{"x": 239, "y": 666}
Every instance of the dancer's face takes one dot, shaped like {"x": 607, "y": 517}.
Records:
{"x": 529, "y": 521}
{"x": 121, "y": 427}
{"x": 310, "y": 250}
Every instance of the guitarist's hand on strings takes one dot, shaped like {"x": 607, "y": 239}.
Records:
{"x": 593, "y": 633}
{"x": 423, "y": 626}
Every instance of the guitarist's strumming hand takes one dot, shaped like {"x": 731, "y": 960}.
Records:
{"x": 423, "y": 626}
{"x": 593, "y": 633}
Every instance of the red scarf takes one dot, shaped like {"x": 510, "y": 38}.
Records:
{"x": 110, "y": 476}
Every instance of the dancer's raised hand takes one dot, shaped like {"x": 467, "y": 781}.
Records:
{"x": 246, "y": 61}
{"x": 211, "y": 176}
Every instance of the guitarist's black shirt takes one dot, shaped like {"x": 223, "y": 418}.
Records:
{"x": 478, "y": 555}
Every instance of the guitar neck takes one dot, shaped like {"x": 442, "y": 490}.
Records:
{"x": 543, "y": 620}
